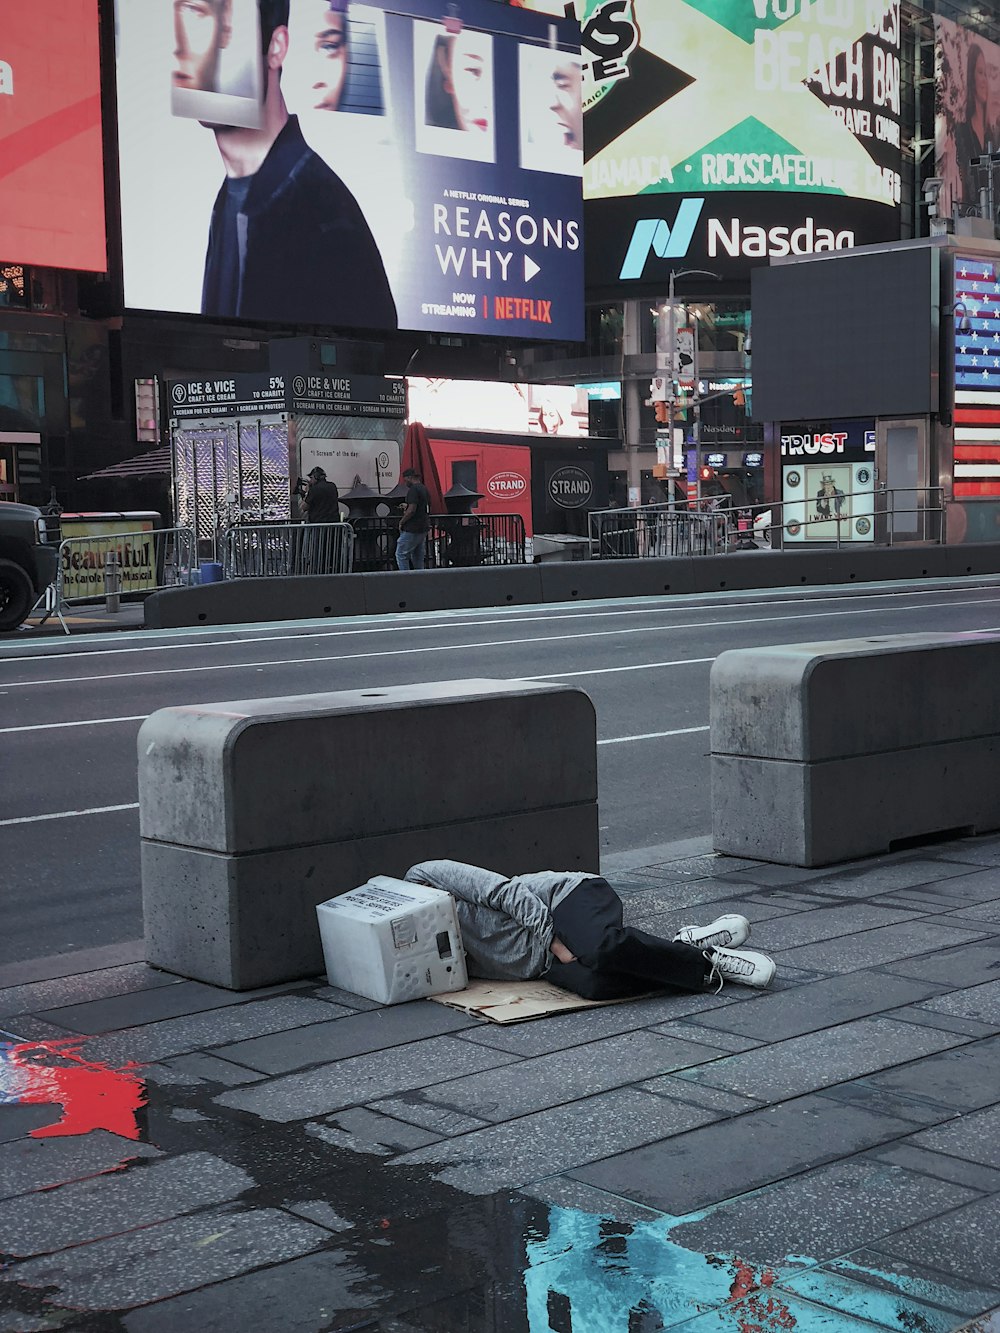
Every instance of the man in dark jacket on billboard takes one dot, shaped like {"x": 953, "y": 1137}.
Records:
{"x": 288, "y": 241}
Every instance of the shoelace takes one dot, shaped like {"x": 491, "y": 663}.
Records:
{"x": 736, "y": 966}
{"x": 714, "y": 974}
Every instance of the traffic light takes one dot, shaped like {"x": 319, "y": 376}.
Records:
{"x": 739, "y": 396}
{"x": 707, "y": 473}
{"x": 661, "y": 411}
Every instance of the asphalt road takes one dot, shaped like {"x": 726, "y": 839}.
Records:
{"x": 70, "y": 711}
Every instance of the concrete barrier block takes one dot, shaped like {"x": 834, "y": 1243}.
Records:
{"x": 264, "y": 773}
{"x": 452, "y": 589}
{"x": 248, "y": 921}
{"x": 252, "y": 601}
{"x": 821, "y": 814}
{"x": 975, "y": 558}
{"x": 590, "y": 580}
{"x": 820, "y": 701}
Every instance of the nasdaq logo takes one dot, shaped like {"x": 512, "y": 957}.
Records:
{"x": 656, "y": 236}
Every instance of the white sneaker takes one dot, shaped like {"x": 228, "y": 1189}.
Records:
{"x": 727, "y": 932}
{"x": 747, "y": 967}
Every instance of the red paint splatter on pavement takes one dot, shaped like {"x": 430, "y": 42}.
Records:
{"x": 759, "y": 1311}
{"x": 92, "y": 1095}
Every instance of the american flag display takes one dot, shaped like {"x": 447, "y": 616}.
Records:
{"x": 977, "y": 377}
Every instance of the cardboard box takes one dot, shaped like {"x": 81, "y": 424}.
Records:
{"x": 391, "y": 941}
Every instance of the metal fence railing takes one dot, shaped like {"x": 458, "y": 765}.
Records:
{"x": 270, "y": 550}
{"x": 658, "y": 530}
{"x": 453, "y": 541}
{"x": 883, "y": 518}
{"x": 118, "y": 565}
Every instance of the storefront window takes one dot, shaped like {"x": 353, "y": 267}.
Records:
{"x": 604, "y": 330}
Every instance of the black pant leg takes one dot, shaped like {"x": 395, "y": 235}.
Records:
{"x": 589, "y": 923}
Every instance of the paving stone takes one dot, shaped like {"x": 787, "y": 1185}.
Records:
{"x": 893, "y": 875}
{"x": 178, "y": 1036}
{"x": 584, "y": 1025}
{"x": 978, "y": 851}
{"x": 171, "y": 1257}
{"x": 882, "y": 1308}
{"x": 857, "y": 953}
{"x": 968, "y": 965}
{"x": 565, "y": 1192}
{"x": 713, "y": 864}
{"x": 679, "y": 1089}
{"x": 820, "y": 1214}
{"x": 107, "y": 1205}
{"x": 860, "y": 1092}
{"x": 439, "y": 1120}
{"x": 974, "y": 1175}
{"x": 140, "y": 1007}
{"x": 885, "y": 1273}
{"x": 37, "y": 995}
{"x": 927, "y": 899}
{"x": 804, "y": 1064}
{"x": 988, "y": 913}
{"x": 699, "y": 902}
{"x": 551, "y": 1142}
{"x": 768, "y": 875}
{"x": 210, "y": 1069}
{"x": 17, "y": 1121}
{"x": 683, "y": 1030}
{"x": 963, "y": 1242}
{"x": 351, "y": 1034}
{"x": 929, "y": 1018}
{"x": 978, "y": 1002}
{"x": 719, "y": 1161}
{"x": 39, "y": 1164}
{"x": 827, "y": 923}
{"x": 363, "y": 1078}
{"x": 565, "y": 1076}
{"x": 820, "y": 1004}
{"x": 974, "y": 1137}
{"x": 322, "y": 1213}
{"x": 964, "y": 1079}
{"x": 369, "y": 1127}
{"x": 358, "y": 1002}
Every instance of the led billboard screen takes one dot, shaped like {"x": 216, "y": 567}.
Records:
{"x": 718, "y": 135}
{"x": 967, "y": 123}
{"x": 513, "y": 409}
{"x": 51, "y": 163}
{"x": 381, "y": 166}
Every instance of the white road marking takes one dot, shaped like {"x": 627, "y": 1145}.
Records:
{"x": 607, "y": 671}
{"x": 87, "y": 722}
{"x": 651, "y": 735}
{"x": 411, "y": 651}
{"x": 68, "y": 814}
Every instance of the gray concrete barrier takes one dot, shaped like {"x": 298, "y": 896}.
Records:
{"x": 823, "y": 752}
{"x": 253, "y": 812}
{"x": 452, "y": 589}
{"x": 253, "y": 600}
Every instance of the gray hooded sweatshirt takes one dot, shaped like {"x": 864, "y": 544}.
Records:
{"x": 506, "y": 923}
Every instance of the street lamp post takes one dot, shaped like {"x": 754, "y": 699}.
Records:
{"x": 672, "y": 387}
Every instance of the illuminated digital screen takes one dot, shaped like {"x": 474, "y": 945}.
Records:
{"x": 513, "y": 409}
{"x": 976, "y": 322}
{"x": 51, "y": 161}
{"x": 967, "y": 100}
{"x": 417, "y": 169}
{"x": 722, "y": 134}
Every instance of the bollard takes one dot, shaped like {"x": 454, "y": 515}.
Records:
{"x": 112, "y": 583}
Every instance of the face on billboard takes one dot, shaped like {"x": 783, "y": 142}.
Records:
{"x": 767, "y": 115}
{"x": 968, "y": 114}
{"x": 344, "y": 165}
{"x": 51, "y": 162}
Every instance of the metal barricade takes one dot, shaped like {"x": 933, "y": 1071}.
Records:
{"x": 121, "y": 564}
{"x": 273, "y": 550}
{"x": 454, "y": 541}
{"x": 657, "y": 530}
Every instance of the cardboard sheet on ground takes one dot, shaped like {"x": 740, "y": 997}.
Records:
{"x": 517, "y": 1001}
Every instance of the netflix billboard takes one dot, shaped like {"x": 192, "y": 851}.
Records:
{"x": 51, "y": 161}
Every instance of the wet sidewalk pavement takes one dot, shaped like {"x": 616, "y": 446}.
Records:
{"x": 824, "y": 1155}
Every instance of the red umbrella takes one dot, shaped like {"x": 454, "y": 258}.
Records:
{"x": 417, "y": 454}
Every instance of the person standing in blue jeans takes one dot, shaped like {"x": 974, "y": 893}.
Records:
{"x": 414, "y": 524}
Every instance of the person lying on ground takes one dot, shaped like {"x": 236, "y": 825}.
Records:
{"x": 568, "y": 927}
